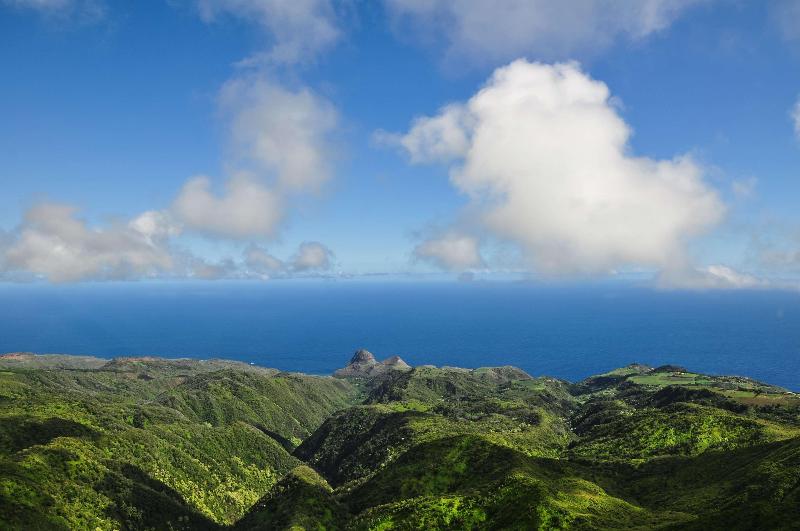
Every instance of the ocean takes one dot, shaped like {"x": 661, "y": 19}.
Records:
{"x": 568, "y": 332}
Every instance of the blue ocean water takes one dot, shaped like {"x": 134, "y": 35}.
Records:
{"x": 567, "y": 332}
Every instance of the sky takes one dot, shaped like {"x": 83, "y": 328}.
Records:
{"x": 653, "y": 140}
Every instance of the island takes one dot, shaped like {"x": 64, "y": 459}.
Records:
{"x": 152, "y": 443}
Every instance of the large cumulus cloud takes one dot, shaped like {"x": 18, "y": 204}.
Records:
{"x": 544, "y": 156}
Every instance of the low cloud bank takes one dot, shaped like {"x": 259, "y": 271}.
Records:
{"x": 453, "y": 251}
{"x": 712, "y": 277}
{"x": 53, "y": 243}
{"x": 309, "y": 257}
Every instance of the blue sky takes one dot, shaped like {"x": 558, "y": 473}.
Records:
{"x": 112, "y": 108}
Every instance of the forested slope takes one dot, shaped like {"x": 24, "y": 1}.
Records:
{"x": 140, "y": 443}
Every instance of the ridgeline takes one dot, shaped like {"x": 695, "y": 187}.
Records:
{"x": 152, "y": 443}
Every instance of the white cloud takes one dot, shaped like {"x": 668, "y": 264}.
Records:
{"x": 279, "y": 146}
{"x": 548, "y": 164}
{"x": 298, "y": 29}
{"x": 710, "y": 277}
{"x": 312, "y": 256}
{"x": 795, "y": 114}
{"x": 261, "y": 263}
{"x": 278, "y": 132}
{"x": 551, "y": 29}
{"x": 440, "y": 138}
{"x": 246, "y": 209}
{"x": 154, "y": 226}
{"x": 54, "y": 244}
{"x": 309, "y": 260}
{"x": 203, "y": 270}
{"x": 451, "y": 251}
{"x": 309, "y": 257}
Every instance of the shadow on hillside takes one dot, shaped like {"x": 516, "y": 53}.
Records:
{"x": 20, "y": 432}
{"x": 141, "y": 502}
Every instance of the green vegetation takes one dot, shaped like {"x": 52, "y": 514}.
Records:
{"x": 148, "y": 443}
{"x": 678, "y": 429}
{"x": 301, "y": 500}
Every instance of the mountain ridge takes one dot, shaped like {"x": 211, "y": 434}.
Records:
{"x": 147, "y": 442}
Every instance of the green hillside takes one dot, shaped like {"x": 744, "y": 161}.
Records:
{"x": 149, "y": 443}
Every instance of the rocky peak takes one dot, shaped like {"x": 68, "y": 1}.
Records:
{"x": 364, "y": 357}
{"x": 363, "y": 364}
{"x": 397, "y": 362}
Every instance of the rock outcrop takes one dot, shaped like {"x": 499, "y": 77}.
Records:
{"x": 364, "y": 365}
{"x": 396, "y": 362}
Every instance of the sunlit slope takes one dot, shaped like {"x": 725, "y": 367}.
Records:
{"x": 95, "y": 448}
